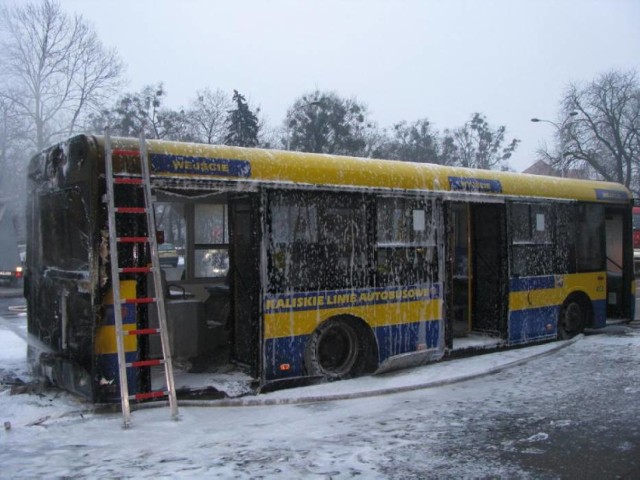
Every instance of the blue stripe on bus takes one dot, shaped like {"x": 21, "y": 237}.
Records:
{"x": 397, "y": 339}
{"x": 287, "y": 351}
{"x": 533, "y": 324}
{"x": 612, "y": 195}
{"x": 392, "y": 340}
{"x": 107, "y": 366}
{"x": 128, "y": 314}
{"x": 539, "y": 323}
{"x": 470, "y": 184}
{"x": 599, "y": 313}
{"x": 224, "y": 167}
{"x": 522, "y": 284}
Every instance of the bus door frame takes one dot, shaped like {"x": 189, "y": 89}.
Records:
{"x": 246, "y": 265}
{"x": 619, "y": 297}
{"x": 472, "y": 210}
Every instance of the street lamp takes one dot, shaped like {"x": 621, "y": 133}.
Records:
{"x": 560, "y": 128}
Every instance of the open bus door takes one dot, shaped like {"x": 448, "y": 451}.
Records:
{"x": 244, "y": 251}
{"x": 619, "y": 256}
{"x": 477, "y": 275}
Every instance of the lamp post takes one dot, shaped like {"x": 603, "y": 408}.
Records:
{"x": 560, "y": 128}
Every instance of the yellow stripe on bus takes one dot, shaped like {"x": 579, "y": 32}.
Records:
{"x": 304, "y": 322}
{"x": 127, "y": 290}
{"x": 106, "y": 339}
{"x": 106, "y": 334}
{"x": 593, "y": 284}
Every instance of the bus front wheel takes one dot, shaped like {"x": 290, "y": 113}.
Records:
{"x": 572, "y": 320}
{"x": 333, "y": 349}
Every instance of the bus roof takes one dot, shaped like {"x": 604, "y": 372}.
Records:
{"x": 201, "y": 161}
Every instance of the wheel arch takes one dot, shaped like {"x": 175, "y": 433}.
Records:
{"x": 368, "y": 355}
{"x": 584, "y": 301}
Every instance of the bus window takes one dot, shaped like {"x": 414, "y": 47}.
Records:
{"x": 589, "y": 238}
{"x": 170, "y": 220}
{"x": 64, "y": 226}
{"x": 532, "y": 234}
{"x": 316, "y": 241}
{"x": 405, "y": 242}
{"x": 211, "y": 241}
{"x": 565, "y": 250}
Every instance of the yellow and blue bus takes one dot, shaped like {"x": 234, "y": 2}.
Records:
{"x": 298, "y": 265}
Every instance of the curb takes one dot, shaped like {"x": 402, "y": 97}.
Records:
{"x": 264, "y": 400}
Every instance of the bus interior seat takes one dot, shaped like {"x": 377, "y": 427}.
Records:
{"x": 172, "y": 291}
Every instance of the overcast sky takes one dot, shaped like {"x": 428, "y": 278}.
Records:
{"x": 405, "y": 59}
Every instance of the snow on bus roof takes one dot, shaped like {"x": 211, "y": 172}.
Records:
{"x": 178, "y": 159}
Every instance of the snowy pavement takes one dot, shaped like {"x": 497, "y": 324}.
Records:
{"x": 417, "y": 432}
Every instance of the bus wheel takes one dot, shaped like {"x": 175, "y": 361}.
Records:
{"x": 572, "y": 319}
{"x": 333, "y": 349}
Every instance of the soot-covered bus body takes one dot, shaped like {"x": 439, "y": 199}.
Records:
{"x": 293, "y": 265}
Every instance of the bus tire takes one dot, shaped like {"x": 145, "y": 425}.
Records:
{"x": 573, "y": 317}
{"x": 339, "y": 348}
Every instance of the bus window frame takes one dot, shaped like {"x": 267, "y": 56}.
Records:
{"x": 279, "y": 256}
{"x": 414, "y": 252}
{"x": 189, "y": 206}
{"x": 537, "y": 255}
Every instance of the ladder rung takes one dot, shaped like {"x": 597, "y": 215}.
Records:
{"x": 139, "y": 300}
{"x": 128, "y": 180}
{"x": 142, "y": 331}
{"x": 135, "y": 269}
{"x": 132, "y": 239}
{"x": 147, "y": 395}
{"x": 126, "y": 153}
{"x": 130, "y": 210}
{"x": 146, "y": 363}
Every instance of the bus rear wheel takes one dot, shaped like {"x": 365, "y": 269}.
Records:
{"x": 333, "y": 350}
{"x": 572, "y": 320}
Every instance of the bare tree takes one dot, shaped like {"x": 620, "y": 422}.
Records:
{"x": 144, "y": 112}
{"x": 55, "y": 68}
{"x": 207, "y": 114}
{"x": 605, "y": 133}
{"x": 12, "y": 164}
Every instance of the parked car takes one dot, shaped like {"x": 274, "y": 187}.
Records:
{"x": 168, "y": 254}
{"x": 11, "y": 260}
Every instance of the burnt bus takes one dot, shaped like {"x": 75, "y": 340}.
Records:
{"x": 293, "y": 266}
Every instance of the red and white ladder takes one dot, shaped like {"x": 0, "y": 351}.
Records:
{"x": 143, "y": 181}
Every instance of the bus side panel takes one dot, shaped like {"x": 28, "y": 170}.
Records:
{"x": 284, "y": 357}
{"x": 106, "y": 351}
{"x": 535, "y": 303}
{"x": 396, "y": 340}
{"x": 403, "y": 320}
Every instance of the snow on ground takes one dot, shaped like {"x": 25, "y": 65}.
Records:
{"x": 53, "y": 434}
